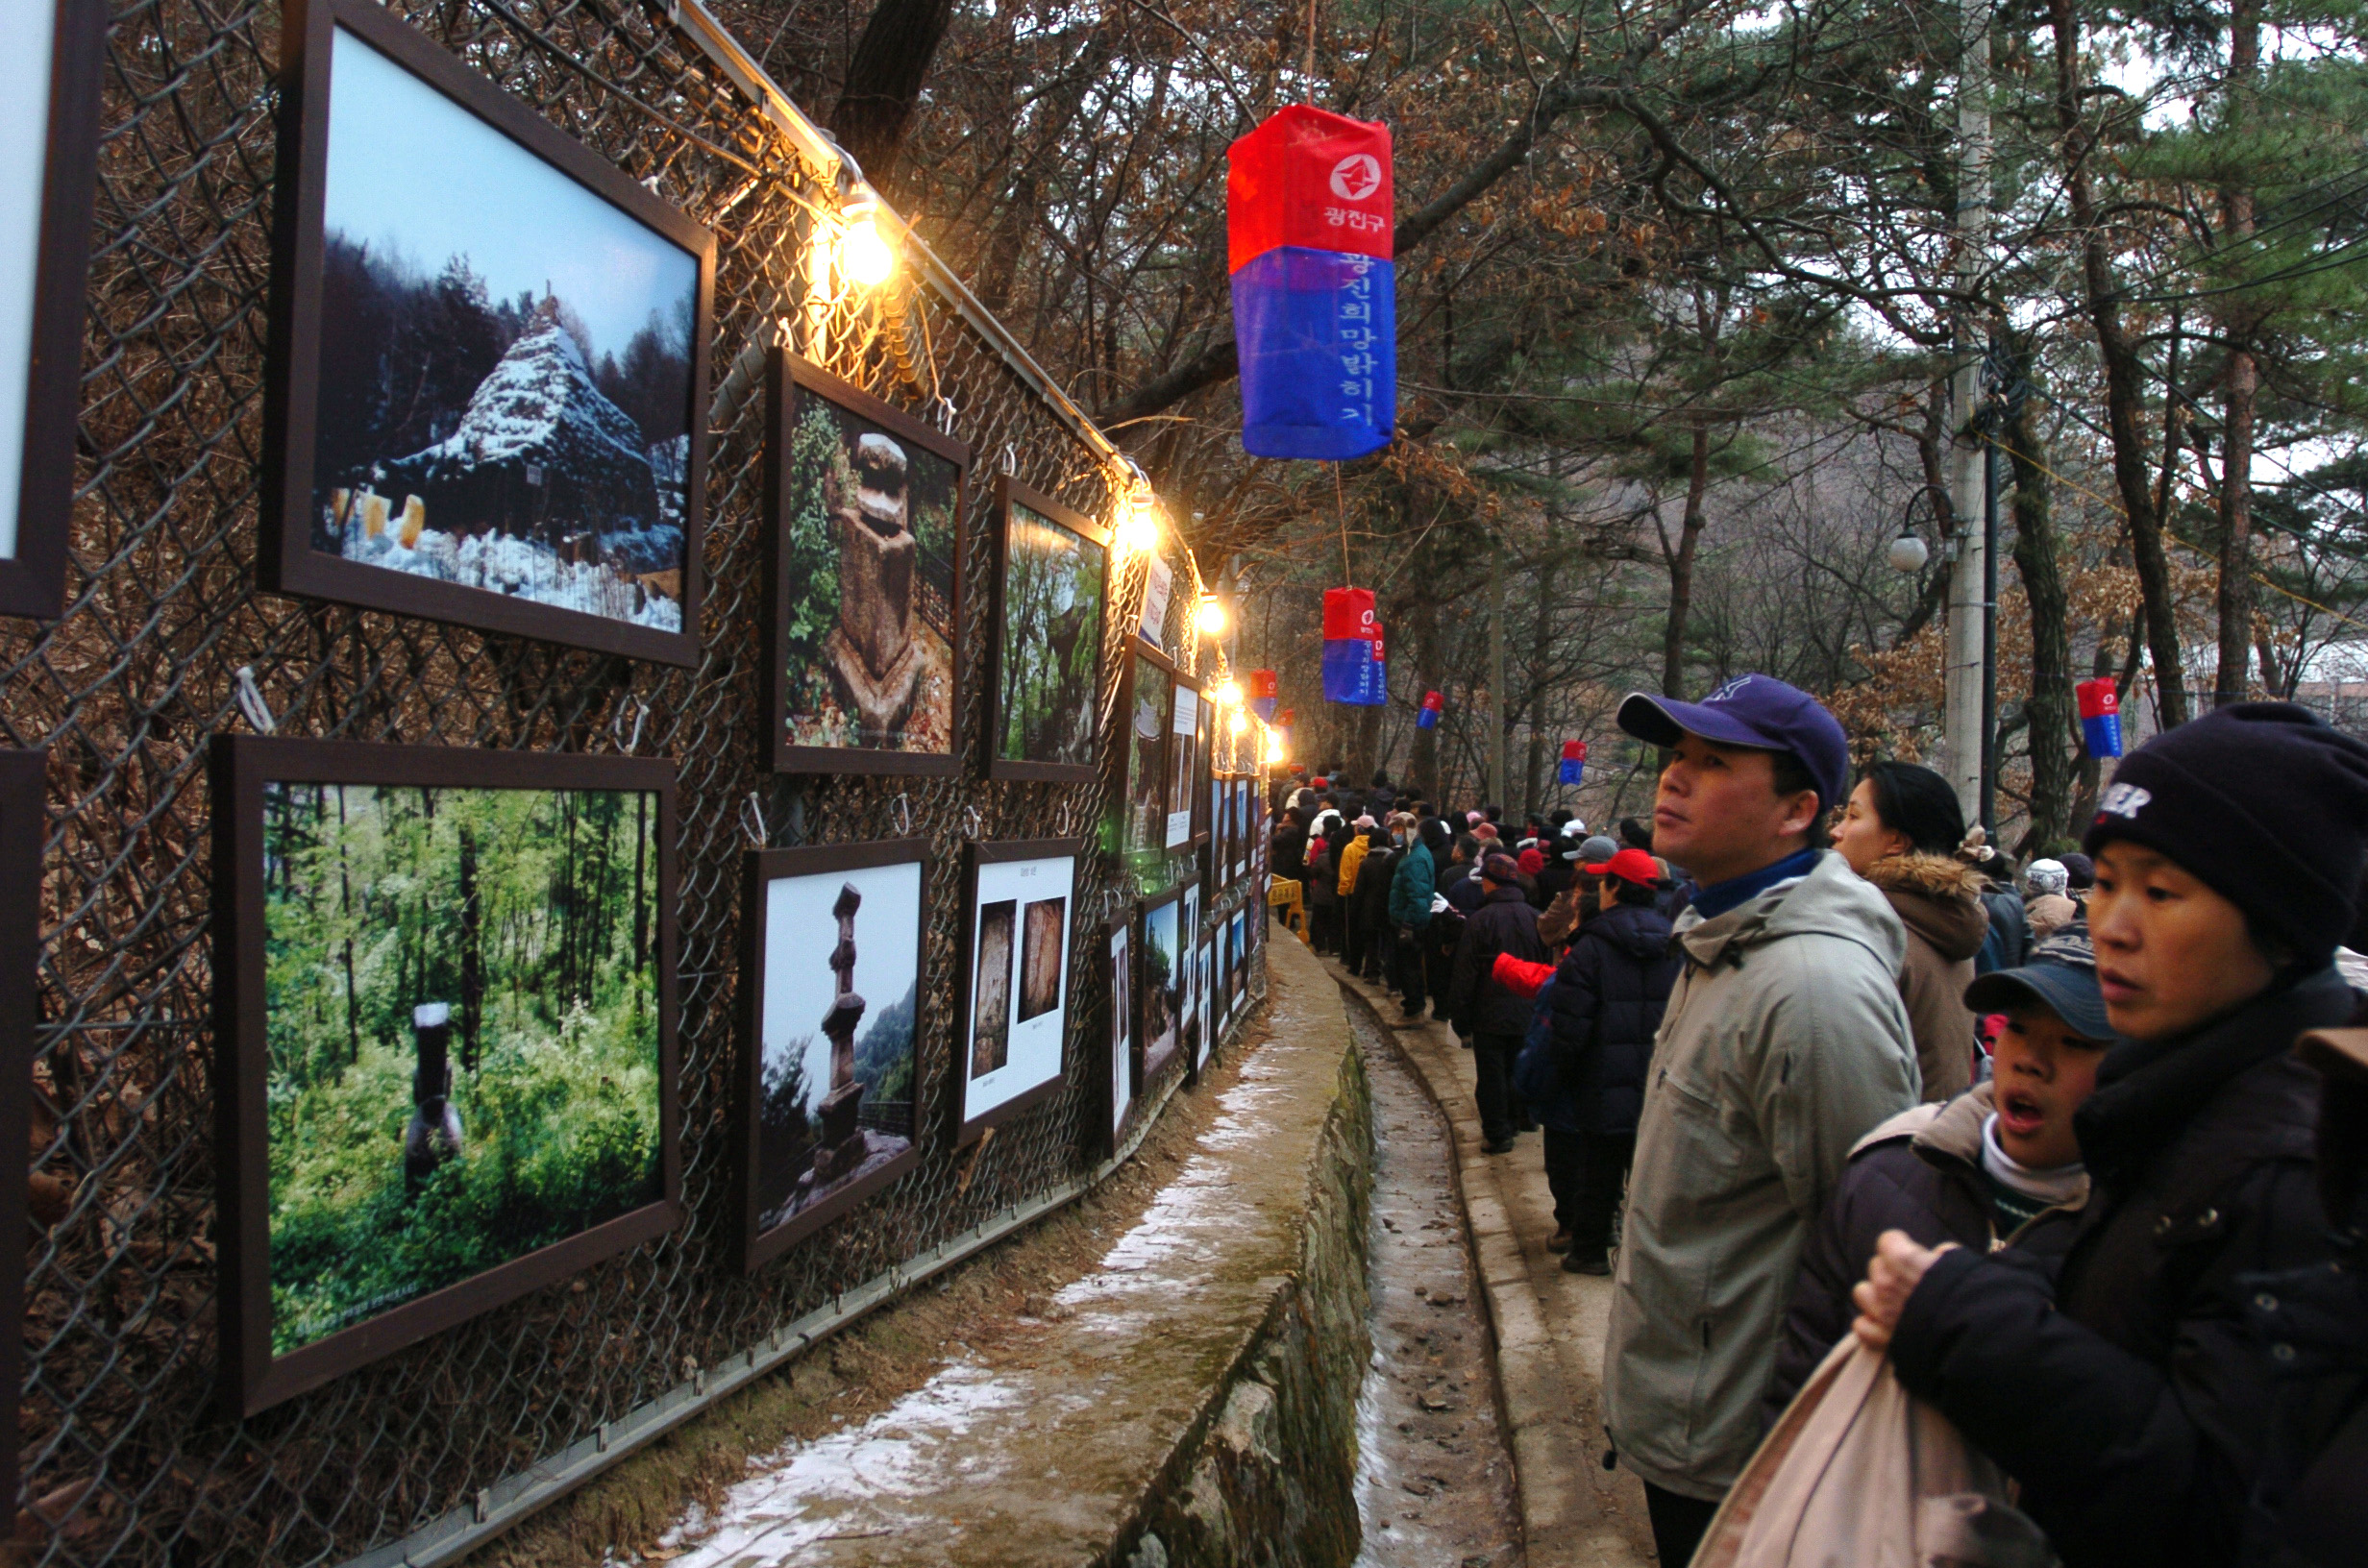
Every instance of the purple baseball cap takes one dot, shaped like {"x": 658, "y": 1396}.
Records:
{"x": 1758, "y": 711}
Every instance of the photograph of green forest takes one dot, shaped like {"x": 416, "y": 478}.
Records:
{"x": 1050, "y": 651}
{"x": 462, "y": 998}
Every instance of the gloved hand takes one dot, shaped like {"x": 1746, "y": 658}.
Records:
{"x": 1439, "y": 903}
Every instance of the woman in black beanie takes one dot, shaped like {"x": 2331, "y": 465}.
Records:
{"x": 2147, "y": 1399}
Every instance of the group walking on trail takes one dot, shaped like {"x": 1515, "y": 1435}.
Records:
{"x": 2077, "y": 1152}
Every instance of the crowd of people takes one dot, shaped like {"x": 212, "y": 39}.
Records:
{"x": 1810, "y": 1059}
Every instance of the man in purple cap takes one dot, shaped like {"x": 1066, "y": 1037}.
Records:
{"x": 1785, "y": 1041}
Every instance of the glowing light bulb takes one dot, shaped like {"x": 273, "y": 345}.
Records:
{"x": 1229, "y": 696}
{"x": 863, "y": 254}
{"x": 1241, "y": 722}
{"x": 1212, "y": 618}
{"x": 1274, "y": 747}
{"x": 1138, "y": 530}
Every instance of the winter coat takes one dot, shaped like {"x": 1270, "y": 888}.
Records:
{"x": 1786, "y": 1041}
{"x": 1369, "y": 905}
{"x": 2135, "y": 1397}
{"x": 1460, "y": 885}
{"x": 1939, "y": 900}
{"x": 1290, "y": 854}
{"x": 1351, "y": 856}
{"x": 1919, "y": 1172}
{"x": 1323, "y": 874}
{"x": 1410, "y": 888}
{"x": 1503, "y": 924}
{"x": 1605, "y": 1007}
{"x": 2009, "y": 932}
{"x": 2049, "y": 913}
{"x": 1554, "y": 880}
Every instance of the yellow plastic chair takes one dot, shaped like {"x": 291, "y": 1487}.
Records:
{"x": 1284, "y": 893}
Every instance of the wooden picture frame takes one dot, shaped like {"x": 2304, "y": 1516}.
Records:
{"x": 1119, "y": 975}
{"x": 254, "y": 1376}
{"x": 1155, "y": 1048}
{"x": 795, "y": 386}
{"x": 1010, "y": 494}
{"x": 762, "y": 872}
{"x": 500, "y": 467}
{"x": 24, "y": 827}
{"x": 44, "y": 267}
{"x": 1186, "y": 763}
{"x": 996, "y": 881}
{"x": 1145, "y": 698}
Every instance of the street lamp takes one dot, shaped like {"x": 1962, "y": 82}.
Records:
{"x": 1908, "y": 554}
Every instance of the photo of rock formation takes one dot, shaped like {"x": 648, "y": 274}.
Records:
{"x": 991, "y": 987}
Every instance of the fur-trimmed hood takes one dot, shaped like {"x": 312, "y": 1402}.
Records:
{"x": 1939, "y": 898}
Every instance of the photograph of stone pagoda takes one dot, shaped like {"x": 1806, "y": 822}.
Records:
{"x": 842, "y": 991}
{"x": 505, "y": 381}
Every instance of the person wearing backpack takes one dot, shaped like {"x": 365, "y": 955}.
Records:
{"x": 1585, "y": 1064}
{"x": 2133, "y": 1393}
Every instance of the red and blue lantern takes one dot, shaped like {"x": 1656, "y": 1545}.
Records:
{"x": 2100, "y": 705}
{"x": 1426, "y": 717}
{"x": 1575, "y": 762}
{"x": 1261, "y": 695}
{"x": 1308, "y": 240}
{"x": 1355, "y": 668}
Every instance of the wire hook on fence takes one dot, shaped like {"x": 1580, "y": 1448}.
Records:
{"x": 973, "y": 824}
{"x": 616, "y": 722}
{"x": 903, "y": 808}
{"x": 1011, "y": 461}
{"x": 752, "y": 809}
{"x": 251, "y": 702}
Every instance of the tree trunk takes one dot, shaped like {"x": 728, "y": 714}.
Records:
{"x": 2125, "y": 384}
{"x": 883, "y": 82}
{"x": 2242, "y": 385}
{"x": 1422, "y": 765}
{"x": 1680, "y": 563}
{"x": 2054, "y": 727}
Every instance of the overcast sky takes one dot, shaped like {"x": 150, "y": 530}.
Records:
{"x": 411, "y": 171}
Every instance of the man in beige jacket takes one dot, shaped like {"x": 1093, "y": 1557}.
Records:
{"x": 1785, "y": 1041}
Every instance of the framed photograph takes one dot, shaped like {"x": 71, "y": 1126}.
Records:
{"x": 1226, "y": 954}
{"x": 1188, "y": 1002}
{"x": 488, "y": 393}
{"x": 863, "y": 570}
{"x": 1247, "y": 925}
{"x": 1204, "y": 763}
{"x": 444, "y": 1014}
{"x": 1150, "y": 694}
{"x": 1052, "y": 602}
{"x": 1183, "y": 762}
{"x": 1121, "y": 978}
{"x": 1159, "y": 986}
{"x": 1014, "y": 979}
{"x": 830, "y": 1030}
{"x": 49, "y": 125}
{"x": 23, "y": 827}
{"x": 1158, "y": 584}
{"x": 1204, "y": 993}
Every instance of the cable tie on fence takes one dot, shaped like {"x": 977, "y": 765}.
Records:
{"x": 902, "y": 807}
{"x": 751, "y": 809}
{"x": 251, "y": 702}
{"x": 973, "y": 824}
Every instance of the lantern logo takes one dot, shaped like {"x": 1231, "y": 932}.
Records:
{"x": 1356, "y": 177}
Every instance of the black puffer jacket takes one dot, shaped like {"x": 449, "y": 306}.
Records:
{"x": 1608, "y": 995}
{"x": 2133, "y": 1398}
{"x": 1919, "y": 1172}
{"x": 1503, "y": 924}
{"x": 1368, "y": 904}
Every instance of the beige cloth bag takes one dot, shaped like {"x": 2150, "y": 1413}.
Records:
{"x": 1861, "y": 1473}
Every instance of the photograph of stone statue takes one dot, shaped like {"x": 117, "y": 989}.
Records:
{"x": 1161, "y": 989}
{"x": 1015, "y": 980}
{"x": 1121, "y": 1027}
{"x": 504, "y": 391}
{"x": 837, "y": 1027}
{"x": 1147, "y": 756}
{"x": 991, "y": 987}
{"x": 462, "y": 1020}
{"x": 865, "y": 501}
{"x": 1051, "y": 598}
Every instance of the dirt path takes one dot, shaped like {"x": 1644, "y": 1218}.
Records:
{"x": 1435, "y": 1484}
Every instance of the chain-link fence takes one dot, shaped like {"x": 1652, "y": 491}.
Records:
{"x": 126, "y": 1457}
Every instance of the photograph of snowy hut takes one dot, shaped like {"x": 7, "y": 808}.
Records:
{"x": 506, "y": 359}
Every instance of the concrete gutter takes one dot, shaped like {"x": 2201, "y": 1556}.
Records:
{"x": 1193, "y": 1402}
{"x": 1549, "y": 1325}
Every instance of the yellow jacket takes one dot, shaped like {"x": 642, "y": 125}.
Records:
{"x": 1353, "y": 856}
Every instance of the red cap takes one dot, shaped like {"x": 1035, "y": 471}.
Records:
{"x": 1531, "y": 861}
{"x": 1633, "y": 865}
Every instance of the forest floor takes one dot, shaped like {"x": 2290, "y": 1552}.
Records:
{"x": 621, "y": 1516}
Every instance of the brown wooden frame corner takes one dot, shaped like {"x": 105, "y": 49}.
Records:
{"x": 1008, "y": 492}
{"x": 24, "y": 827}
{"x": 252, "y": 1378}
{"x": 759, "y": 868}
{"x": 788, "y": 381}
{"x": 32, "y": 580}
{"x": 963, "y": 1132}
{"x": 287, "y": 561}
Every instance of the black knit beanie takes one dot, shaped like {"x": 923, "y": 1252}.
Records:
{"x": 2263, "y": 802}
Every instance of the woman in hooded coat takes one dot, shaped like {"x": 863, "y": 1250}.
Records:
{"x": 1899, "y": 831}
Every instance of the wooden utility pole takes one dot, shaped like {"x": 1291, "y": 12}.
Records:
{"x": 1968, "y": 650}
